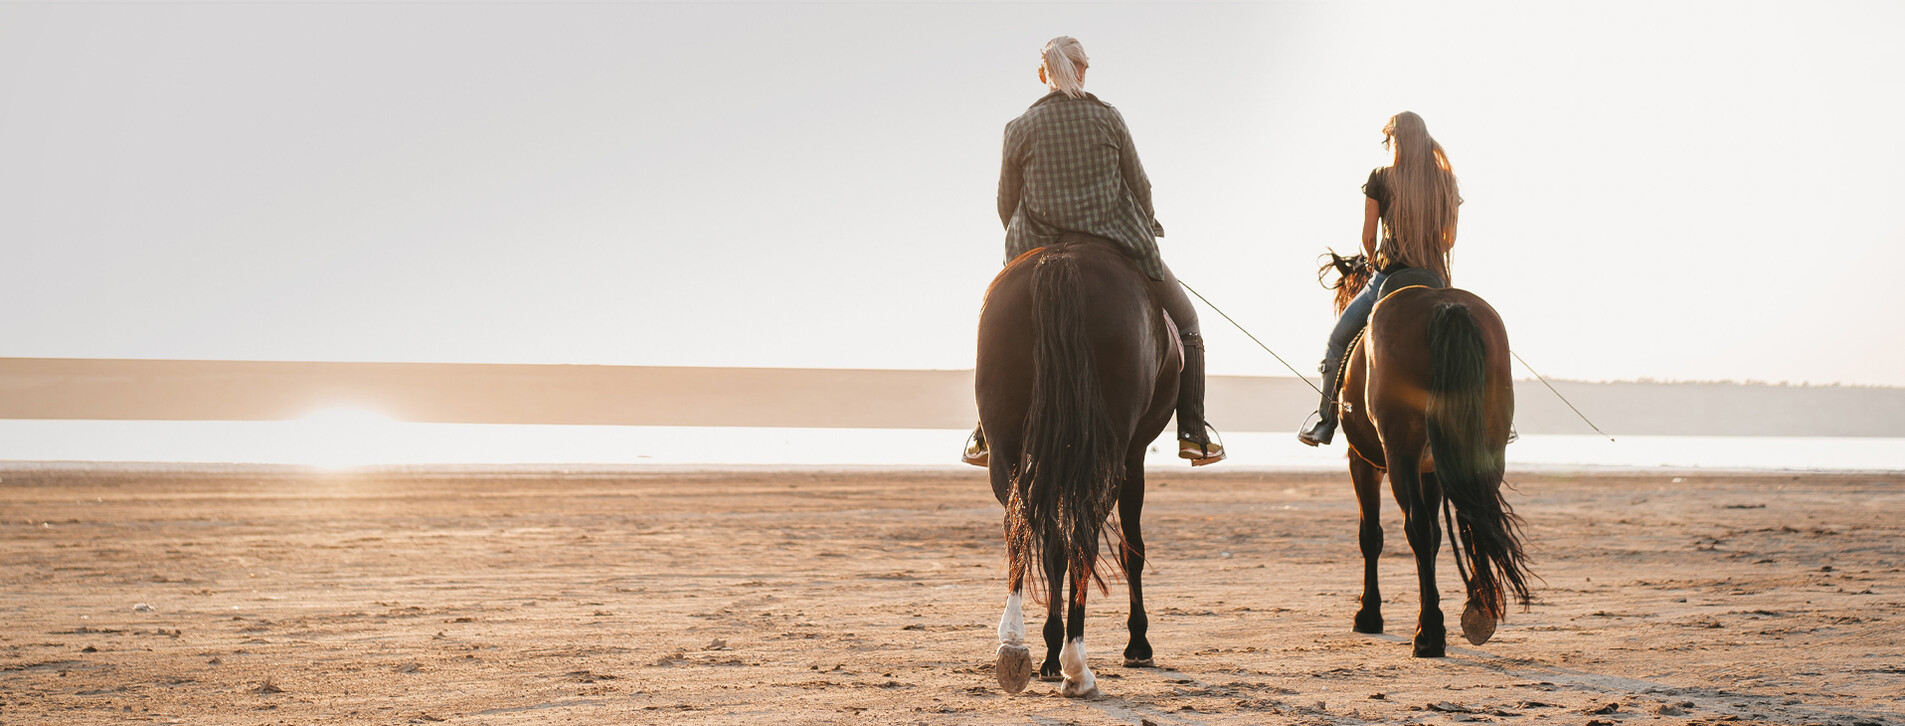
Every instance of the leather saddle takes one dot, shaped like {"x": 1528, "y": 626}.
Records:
{"x": 1397, "y": 280}
{"x": 1409, "y": 277}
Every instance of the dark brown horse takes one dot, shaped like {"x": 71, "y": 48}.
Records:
{"x": 1077, "y": 373}
{"x": 1427, "y": 398}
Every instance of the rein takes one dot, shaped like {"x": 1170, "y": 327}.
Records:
{"x": 1253, "y": 339}
{"x": 1306, "y": 379}
{"x": 1557, "y": 394}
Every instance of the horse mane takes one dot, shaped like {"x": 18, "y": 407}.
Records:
{"x": 1352, "y": 275}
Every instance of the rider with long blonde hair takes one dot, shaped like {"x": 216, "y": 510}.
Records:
{"x": 1414, "y": 202}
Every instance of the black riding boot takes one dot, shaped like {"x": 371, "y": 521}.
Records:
{"x": 1192, "y": 436}
{"x": 1325, "y": 428}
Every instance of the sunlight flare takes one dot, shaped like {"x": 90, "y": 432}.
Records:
{"x": 344, "y": 436}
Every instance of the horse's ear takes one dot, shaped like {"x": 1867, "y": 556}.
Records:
{"x": 1335, "y": 262}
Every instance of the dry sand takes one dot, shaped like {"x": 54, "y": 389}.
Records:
{"x": 871, "y": 597}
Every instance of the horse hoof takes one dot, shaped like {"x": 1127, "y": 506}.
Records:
{"x": 1050, "y": 678}
{"x": 1430, "y": 650}
{"x": 1372, "y": 626}
{"x": 1014, "y": 668}
{"x": 1071, "y": 690}
{"x": 1477, "y": 625}
{"x": 1140, "y": 663}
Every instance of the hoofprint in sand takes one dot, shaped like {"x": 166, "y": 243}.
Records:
{"x": 808, "y": 596}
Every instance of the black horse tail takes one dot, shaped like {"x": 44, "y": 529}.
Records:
{"x": 1468, "y": 465}
{"x": 1070, "y": 460}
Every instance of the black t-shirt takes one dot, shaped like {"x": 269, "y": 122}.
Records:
{"x": 1377, "y": 188}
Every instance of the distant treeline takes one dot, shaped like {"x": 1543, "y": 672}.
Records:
{"x": 1747, "y": 382}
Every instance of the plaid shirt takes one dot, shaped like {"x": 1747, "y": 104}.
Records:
{"x": 1070, "y": 166}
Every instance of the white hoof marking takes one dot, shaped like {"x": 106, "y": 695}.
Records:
{"x": 1079, "y": 682}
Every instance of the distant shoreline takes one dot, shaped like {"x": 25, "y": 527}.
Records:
{"x": 179, "y": 390}
{"x": 585, "y": 471}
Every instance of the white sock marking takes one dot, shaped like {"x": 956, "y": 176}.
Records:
{"x": 1072, "y": 661}
{"x": 1012, "y": 623}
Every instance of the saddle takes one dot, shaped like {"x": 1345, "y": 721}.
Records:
{"x": 1402, "y": 277}
{"x": 1409, "y": 277}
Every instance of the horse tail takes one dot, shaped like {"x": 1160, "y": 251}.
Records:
{"x": 1469, "y": 466}
{"x": 1070, "y": 460}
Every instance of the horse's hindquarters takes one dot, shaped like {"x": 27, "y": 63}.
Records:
{"x": 1401, "y": 364}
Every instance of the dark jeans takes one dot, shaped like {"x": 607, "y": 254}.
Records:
{"x": 1171, "y": 295}
{"x": 1351, "y": 322}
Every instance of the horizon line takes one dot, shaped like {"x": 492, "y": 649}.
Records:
{"x": 1642, "y": 380}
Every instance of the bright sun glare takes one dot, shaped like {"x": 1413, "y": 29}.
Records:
{"x": 339, "y": 437}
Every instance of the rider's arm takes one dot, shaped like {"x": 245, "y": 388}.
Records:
{"x": 1011, "y": 182}
{"x": 1133, "y": 172}
{"x": 1372, "y": 213}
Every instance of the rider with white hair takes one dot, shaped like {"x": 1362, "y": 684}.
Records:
{"x": 1070, "y": 167}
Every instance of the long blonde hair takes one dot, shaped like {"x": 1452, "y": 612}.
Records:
{"x": 1065, "y": 65}
{"x": 1424, "y": 199}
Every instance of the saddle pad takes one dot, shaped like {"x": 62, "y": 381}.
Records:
{"x": 1177, "y": 340}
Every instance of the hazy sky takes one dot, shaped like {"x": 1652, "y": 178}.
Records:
{"x": 1667, "y": 190}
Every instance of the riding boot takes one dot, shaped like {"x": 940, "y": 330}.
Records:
{"x": 1193, "y": 438}
{"x": 1325, "y": 428}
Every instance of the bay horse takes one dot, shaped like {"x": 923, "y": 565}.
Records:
{"x": 1427, "y": 398}
{"x": 1077, "y": 373}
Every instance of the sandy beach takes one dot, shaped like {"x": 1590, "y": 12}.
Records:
{"x": 263, "y": 596}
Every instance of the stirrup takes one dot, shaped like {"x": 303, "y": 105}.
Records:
{"x": 1203, "y": 454}
{"x": 977, "y": 453}
{"x": 1316, "y": 435}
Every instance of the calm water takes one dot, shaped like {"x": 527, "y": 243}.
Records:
{"x": 350, "y": 439}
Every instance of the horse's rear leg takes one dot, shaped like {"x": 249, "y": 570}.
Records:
{"x": 1014, "y": 666}
{"x": 1079, "y": 682}
{"x": 1420, "y": 499}
{"x": 1368, "y": 480}
{"x": 1050, "y": 670}
{"x": 1014, "y": 661}
{"x": 1478, "y": 625}
{"x": 1137, "y": 654}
